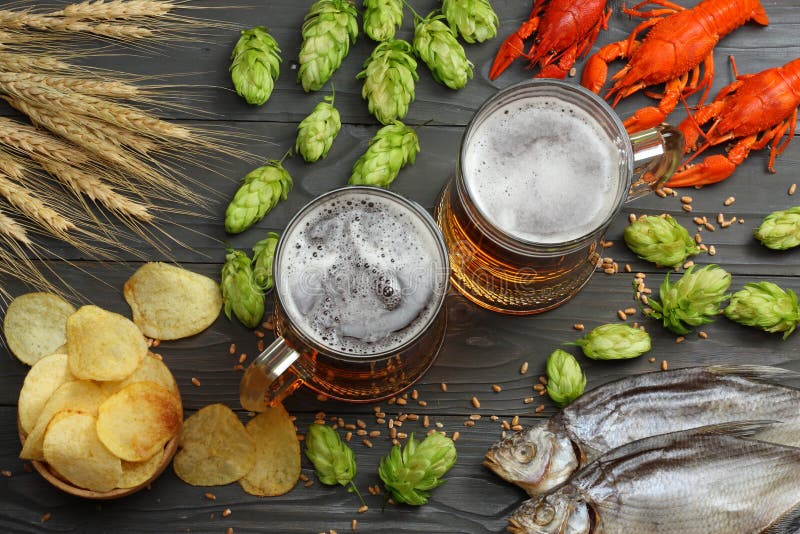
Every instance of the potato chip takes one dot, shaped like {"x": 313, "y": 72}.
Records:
{"x": 42, "y": 380}
{"x": 136, "y": 422}
{"x": 135, "y": 473}
{"x": 277, "y": 466}
{"x": 78, "y": 395}
{"x": 214, "y": 448}
{"x": 72, "y": 448}
{"x": 151, "y": 369}
{"x": 169, "y": 302}
{"x": 35, "y": 325}
{"x": 103, "y": 345}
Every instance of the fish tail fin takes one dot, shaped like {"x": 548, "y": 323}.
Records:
{"x": 787, "y": 523}
{"x": 761, "y": 373}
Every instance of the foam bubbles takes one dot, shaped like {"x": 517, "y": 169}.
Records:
{"x": 542, "y": 170}
{"x": 361, "y": 274}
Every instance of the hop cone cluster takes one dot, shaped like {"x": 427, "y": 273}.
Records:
{"x": 437, "y": 46}
{"x": 333, "y": 460}
{"x": 660, "y": 240}
{"x": 693, "y": 300}
{"x": 255, "y": 65}
{"x": 260, "y": 191}
{"x": 614, "y": 341}
{"x": 239, "y": 290}
{"x": 474, "y": 20}
{"x": 389, "y": 75}
{"x": 780, "y": 230}
{"x": 565, "y": 380}
{"x": 382, "y": 18}
{"x": 411, "y": 473}
{"x": 390, "y": 150}
{"x": 766, "y": 306}
{"x": 263, "y": 257}
{"x": 329, "y": 28}
{"x": 316, "y": 133}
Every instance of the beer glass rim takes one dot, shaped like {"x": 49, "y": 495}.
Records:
{"x": 515, "y": 242}
{"x": 409, "y": 204}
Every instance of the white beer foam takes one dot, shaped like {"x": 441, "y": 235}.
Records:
{"x": 361, "y": 276}
{"x": 542, "y": 170}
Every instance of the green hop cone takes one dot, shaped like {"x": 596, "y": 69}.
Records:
{"x": 766, "y": 306}
{"x": 474, "y": 20}
{"x": 316, "y": 133}
{"x": 260, "y": 191}
{"x": 780, "y": 230}
{"x": 333, "y": 460}
{"x": 412, "y": 472}
{"x": 240, "y": 292}
{"x": 437, "y": 46}
{"x": 390, "y": 150}
{"x": 693, "y": 300}
{"x": 263, "y": 257}
{"x": 255, "y": 65}
{"x": 565, "y": 380}
{"x": 389, "y": 75}
{"x": 660, "y": 240}
{"x": 615, "y": 341}
{"x": 382, "y": 18}
{"x": 329, "y": 28}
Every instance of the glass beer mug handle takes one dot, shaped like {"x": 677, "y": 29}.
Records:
{"x": 657, "y": 153}
{"x": 270, "y": 377}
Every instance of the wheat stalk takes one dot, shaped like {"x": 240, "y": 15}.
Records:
{"x": 20, "y": 20}
{"x": 18, "y": 63}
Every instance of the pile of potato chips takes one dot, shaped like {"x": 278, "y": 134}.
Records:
{"x": 96, "y": 406}
{"x": 216, "y": 449}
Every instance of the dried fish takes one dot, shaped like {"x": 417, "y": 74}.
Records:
{"x": 707, "y": 480}
{"x": 542, "y": 457}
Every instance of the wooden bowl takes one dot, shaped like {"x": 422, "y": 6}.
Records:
{"x": 170, "y": 448}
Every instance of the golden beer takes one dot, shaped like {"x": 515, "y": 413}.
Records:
{"x": 543, "y": 169}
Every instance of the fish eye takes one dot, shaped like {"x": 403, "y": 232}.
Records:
{"x": 544, "y": 514}
{"x": 525, "y": 453}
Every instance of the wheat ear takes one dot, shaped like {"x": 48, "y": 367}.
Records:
{"x": 20, "y": 198}
{"x": 34, "y": 142}
{"x": 116, "y": 9}
{"x": 18, "y": 20}
{"x": 12, "y": 62}
{"x": 86, "y": 86}
{"x": 11, "y": 228}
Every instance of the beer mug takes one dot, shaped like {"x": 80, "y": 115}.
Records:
{"x": 543, "y": 169}
{"x": 360, "y": 279}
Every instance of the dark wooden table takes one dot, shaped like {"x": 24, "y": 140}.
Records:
{"x": 481, "y": 348}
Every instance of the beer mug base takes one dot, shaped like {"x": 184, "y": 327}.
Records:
{"x": 483, "y": 273}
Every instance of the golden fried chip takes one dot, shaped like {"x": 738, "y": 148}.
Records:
{"x": 135, "y": 473}
{"x": 103, "y": 345}
{"x": 152, "y": 369}
{"x": 35, "y": 325}
{"x": 277, "y": 466}
{"x": 214, "y": 449}
{"x": 79, "y": 395}
{"x": 136, "y": 422}
{"x": 72, "y": 448}
{"x": 169, "y": 302}
{"x": 42, "y": 380}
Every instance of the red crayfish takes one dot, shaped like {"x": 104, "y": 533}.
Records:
{"x": 680, "y": 40}
{"x": 757, "y": 110}
{"x": 565, "y": 30}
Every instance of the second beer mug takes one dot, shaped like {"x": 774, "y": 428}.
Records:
{"x": 544, "y": 167}
{"x": 360, "y": 280}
